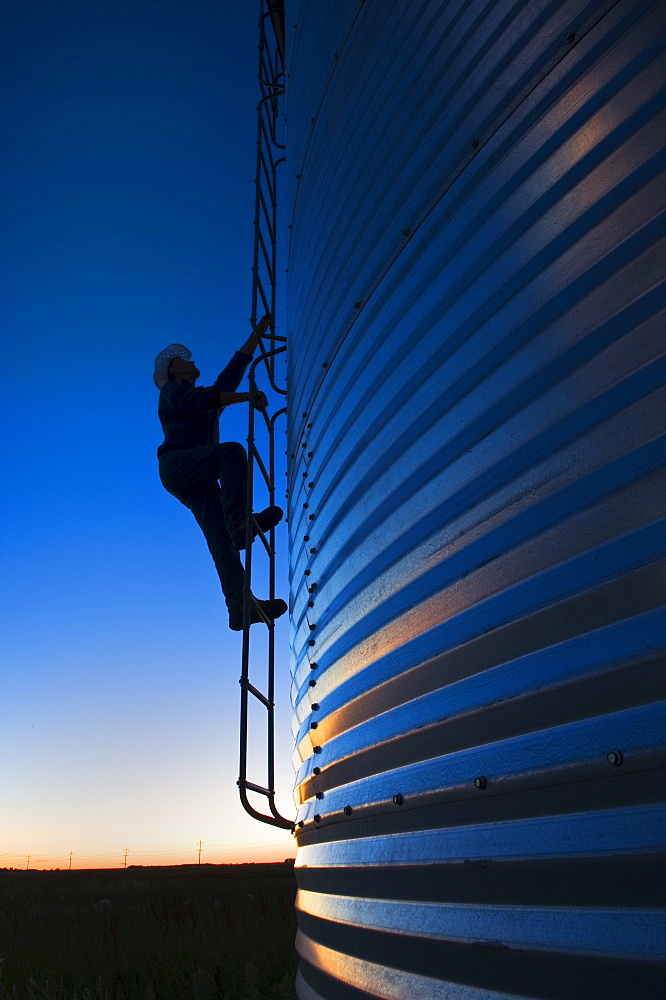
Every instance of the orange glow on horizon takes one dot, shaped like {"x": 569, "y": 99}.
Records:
{"x": 236, "y": 855}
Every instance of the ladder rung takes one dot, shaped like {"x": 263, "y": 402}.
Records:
{"x": 271, "y": 486}
{"x": 257, "y": 788}
{"x": 267, "y": 545}
{"x": 261, "y": 465}
{"x": 258, "y": 695}
{"x": 262, "y": 294}
{"x": 264, "y": 617}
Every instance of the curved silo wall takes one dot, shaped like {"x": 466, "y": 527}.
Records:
{"x": 477, "y": 496}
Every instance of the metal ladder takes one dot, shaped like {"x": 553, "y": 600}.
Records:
{"x": 264, "y": 268}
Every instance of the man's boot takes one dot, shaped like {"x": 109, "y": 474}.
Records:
{"x": 260, "y": 611}
{"x": 265, "y": 519}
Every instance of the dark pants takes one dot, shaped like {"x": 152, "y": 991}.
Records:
{"x": 211, "y": 481}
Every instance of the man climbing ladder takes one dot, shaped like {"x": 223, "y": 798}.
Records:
{"x": 208, "y": 477}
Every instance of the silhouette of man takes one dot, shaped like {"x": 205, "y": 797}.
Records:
{"x": 209, "y": 478}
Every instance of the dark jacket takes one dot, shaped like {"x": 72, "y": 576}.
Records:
{"x": 189, "y": 414}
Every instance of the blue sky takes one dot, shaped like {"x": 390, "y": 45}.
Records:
{"x": 127, "y": 184}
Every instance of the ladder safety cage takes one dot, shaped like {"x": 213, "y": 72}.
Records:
{"x": 264, "y": 280}
{"x": 271, "y": 78}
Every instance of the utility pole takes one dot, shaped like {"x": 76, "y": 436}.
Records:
{"x": 70, "y": 860}
{"x": 200, "y": 846}
{"x": 27, "y": 862}
{"x": 125, "y": 853}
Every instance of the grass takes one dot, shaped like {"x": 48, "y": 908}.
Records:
{"x": 209, "y": 932}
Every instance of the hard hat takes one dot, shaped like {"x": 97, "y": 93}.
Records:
{"x": 164, "y": 359}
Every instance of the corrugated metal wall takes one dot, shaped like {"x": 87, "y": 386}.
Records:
{"x": 477, "y": 496}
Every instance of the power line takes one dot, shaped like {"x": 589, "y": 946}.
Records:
{"x": 255, "y": 849}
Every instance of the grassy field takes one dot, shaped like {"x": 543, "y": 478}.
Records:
{"x": 209, "y": 932}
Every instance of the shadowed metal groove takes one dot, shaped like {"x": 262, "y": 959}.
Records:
{"x": 477, "y": 436}
{"x": 588, "y": 881}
